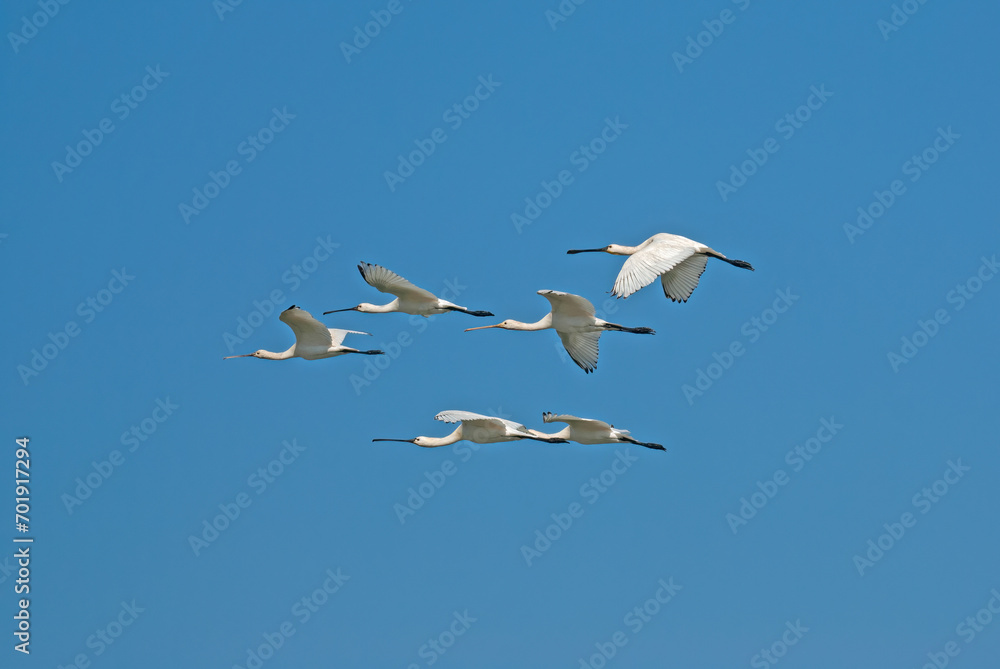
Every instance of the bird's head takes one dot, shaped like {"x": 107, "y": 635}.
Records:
{"x": 419, "y": 441}
{"x": 603, "y": 249}
{"x": 256, "y": 354}
{"x": 505, "y": 325}
{"x": 357, "y": 308}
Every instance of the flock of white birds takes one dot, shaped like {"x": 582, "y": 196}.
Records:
{"x": 678, "y": 262}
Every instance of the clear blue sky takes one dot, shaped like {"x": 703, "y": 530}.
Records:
{"x": 245, "y": 170}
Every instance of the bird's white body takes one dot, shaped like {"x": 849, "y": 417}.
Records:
{"x": 678, "y": 262}
{"x": 478, "y": 429}
{"x": 572, "y": 317}
{"x": 410, "y": 299}
{"x": 313, "y": 340}
{"x": 590, "y": 431}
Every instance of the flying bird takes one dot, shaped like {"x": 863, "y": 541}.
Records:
{"x": 478, "y": 429}
{"x": 313, "y": 340}
{"x": 410, "y": 299}
{"x": 678, "y": 261}
{"x": 589, "y": 431}
{"x": 572, "y": 317}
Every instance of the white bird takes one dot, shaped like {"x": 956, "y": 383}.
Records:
{"x": 410, "y": 299}
{"x": 478, "y": 429}
{"x": 589, "y": 431}
{"x": 313, "y": 340}
{"x": 572, "y": 317}
{"x": 678, "y": 261}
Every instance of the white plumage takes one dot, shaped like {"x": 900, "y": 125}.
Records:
{"x": 572, "y": 317}
{"x": 313, "y": 340}
{"x": 590, "y": 431}
{"x": 410, "y": 299}
{"x": 678, "y": 261}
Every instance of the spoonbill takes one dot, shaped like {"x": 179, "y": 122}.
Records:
{"x": 678, "y": 261}
{"x": 572, "y": 317}
{"x": 410, "y": 299}
{"x": 478, "y": 429}
{"x": 313, "y": 340}
{"x": 590, "y": 431}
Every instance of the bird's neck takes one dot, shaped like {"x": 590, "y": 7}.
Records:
{"x": 433, "y": 442}
{"x": 284, "y": 355}
{"x": 561, "y": 434}
{"x": 543, "y": 324}
{"x": 380, "y": 308}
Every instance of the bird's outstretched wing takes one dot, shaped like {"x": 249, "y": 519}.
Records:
{"x": 549, "y": 417}
{"x": 386, "y": 281}
{"x": 479, "y": 420}
{"x": 337, "y": 336}
{"x": 644, "y": 266}
{"x": 308, "y": 331}
{"x": 567, "y": 304}
{"x": 455, "y": 416}
{"x": 680, "y": 282}
{"x": 582, "y": 347}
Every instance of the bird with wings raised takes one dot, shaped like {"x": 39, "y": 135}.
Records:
{"x": 678, "y": 261}
{"x": 313, "y": 340}
{"x": 478, "y": 429}
{"x": 590, "y": 431}
{"x": 410, "y": 299}
{"x": 573, "y": 319}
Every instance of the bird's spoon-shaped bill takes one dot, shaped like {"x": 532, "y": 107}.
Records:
{"x": 482, "y": 327}
{"x": 247, "y": 355}
{"x": 339, "y": 310}
{"x": 405, "y": 441}
{"x": 571, "y": 252}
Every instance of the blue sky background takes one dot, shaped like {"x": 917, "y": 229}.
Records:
{"x": 162, "y": 336}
